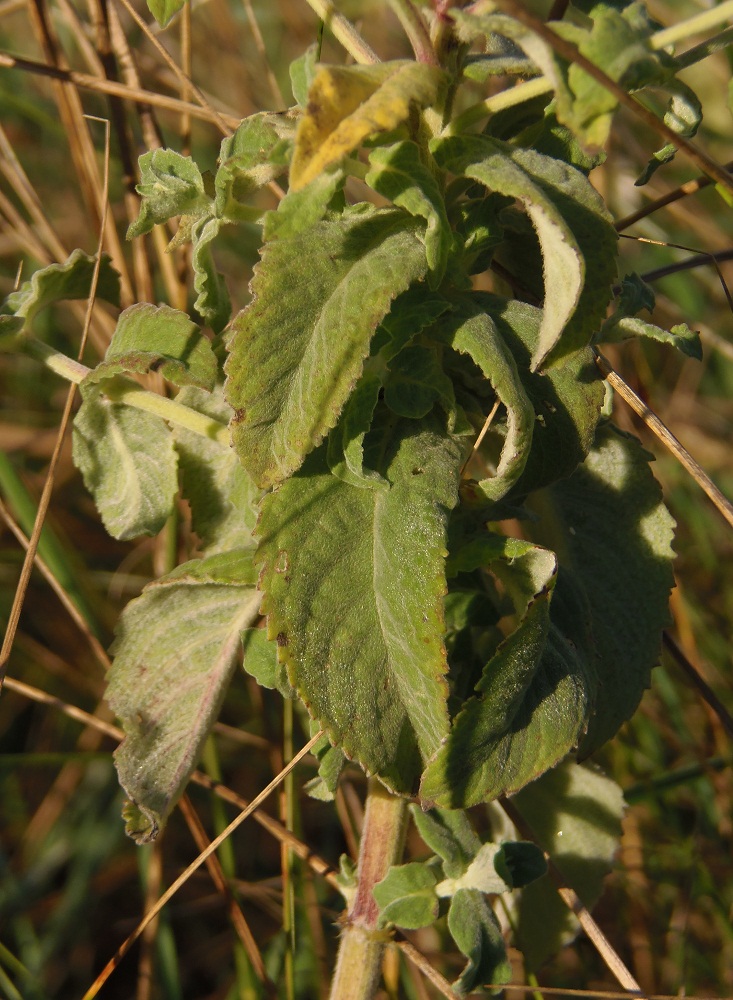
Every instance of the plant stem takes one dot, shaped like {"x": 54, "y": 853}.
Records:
{"x": 705, "y": 21}
{"x": 363, "y": 941}
{"x": 344, "y": 31}
{"x": 125, "y": 390}
{"x": 411, "y": 19}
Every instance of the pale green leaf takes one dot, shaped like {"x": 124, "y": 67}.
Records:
{"x": 575, "y": 813}
{"x": 261, "y": 661}
{"x": 399, "y": 173}
{"x": 681, "y": 336}
{"x": 302, "y": 73}
{"x": 300, "y": 346}
{"x": 476, "y": 932}
{"x": 254, "y": 155}
{"x": 176, "y": 648}
{"x": 504, "y": 169}
{"x": 406, "y": 896}
{"x": 164, "y": 10}
{"x": 127, "y": 459}
{"x": 683, "y": 116}
{"x": 480, "y": 874}
{"x": 55, "y": 283}
{"x": 158, "y": 338}
{"x": 618, "y": 543}
{"x": 347, "y": 104}
{"x": 222, "y": 497}
{"x": 212, "y": 299}
{"x": 353, "y": 581}
{"x": 170, "y": 185}
{"x": 331, "y": 761}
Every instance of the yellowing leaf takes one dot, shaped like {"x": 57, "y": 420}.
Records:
{"x": 347, "y": 104}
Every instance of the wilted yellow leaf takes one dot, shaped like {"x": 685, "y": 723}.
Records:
{"x": 346, "y": 104}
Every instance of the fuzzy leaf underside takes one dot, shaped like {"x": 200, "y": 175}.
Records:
{"x": 501, "y": 168}
{"x": 618, "y": 543}
{"x": 175, "y": 650}
{"x": 170, "y": 185}
{"x": 299, "y": 347}
{"x": 476, "y": 932}
{"x": 128, "y": 463}
{"x": 354, "y": 584}
{"x": 575, "y": 813}
{"x": 347, "y": 104}
{"x": 222, "y": 497}
{"x": 158, "y": 338}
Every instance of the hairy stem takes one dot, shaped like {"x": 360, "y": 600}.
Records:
{"x": 125, "y": 390}
{"x": 363, "y": 941}
{"x": 344, "y": 32}
{"x": 411, "y": 19}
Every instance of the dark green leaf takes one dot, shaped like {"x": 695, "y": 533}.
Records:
{"x": 415, "y": 381}
{"x": 476, "y": 932}
{"x": 520, "y": 863}
{"x": 354, "y": 589}
{"x": 449, "y": 833}
{"x": 299, "y": 347}
{"x": 618, "y": 544}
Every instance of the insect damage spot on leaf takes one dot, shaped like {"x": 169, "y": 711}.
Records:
{"x": 282, "y": 639}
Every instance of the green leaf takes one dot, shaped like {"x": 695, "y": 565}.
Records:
{"x": 566, "y": 397}
{"x": 346, "y": 440}
{"x": 158, "y": 338}
{"x": 212, "y": 300}
{"x": 170, "y": 185}
{"x": 331, "y": 761}
{"x": 683, "y": 116}
{"x": 222, "y": 497}
{"x": 302, "y": 73}
{"x": 575, "y": 814}
{"x": 469, "y": 330}
{"x": 476, "y": 932}
{"x": 406, "y": 896}
{"x": 449, "y": 833}
{"x": 520, "y": 863}
{"x": 681, "y": 336}
{"x": 127, "y": 459}
{"x": 398, "y": 172}
{"x": 481, "y": 874}
{"x": 618, "y": 543}
{"x": 299, "y": 210}
{"x": 164, "y": 10}
{"x": 299, "y": 347}
{"x": 530, "y": 709}
{"x": 506, "y": 170}
{"x": 353, "y": 581}
{"x": 347, "y": 104}
{"x": 415, "y": 381}
{"x": 261, "y": 662}
{"x": 55, "y": 283}
{"x": 254, "y": 155}
{"x": 175, "y": 651}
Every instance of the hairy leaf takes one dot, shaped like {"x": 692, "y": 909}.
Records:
{"x": 128, "y": 463}
{"x": 575, "y": 813}
{"x": 347, "y": 104}
{"x": 683, "y": 115}
{"x": 299, "y": 347}
{"x": 354, "y": 583}
{"x": 449, "y": 833}
{"x": 254, "y": 155}
{"x": 212, "y": 299}
{"x": 618, "y": 543}
{"x": 222, "y": 497}
{"x": 158, "y": 338}
{"x": 472, "y": 331}
{"x": 502, "y": 168}
{"x": 399, "y": 173}
{"x": 346, "y": 440}
{"x": 170, "y": 185}
{"x": 476, "y": 932}
{"x": 406, "y": 896}
{"x": 175, "y": 650}
{"x": 261, "y": 661}
{"x": 299, "y": 210}
{"x": 55, "y": 283}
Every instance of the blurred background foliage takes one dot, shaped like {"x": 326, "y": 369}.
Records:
{"x": 71, "y": 886}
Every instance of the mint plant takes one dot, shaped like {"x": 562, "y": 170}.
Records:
{"x": 463, "y": 565}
